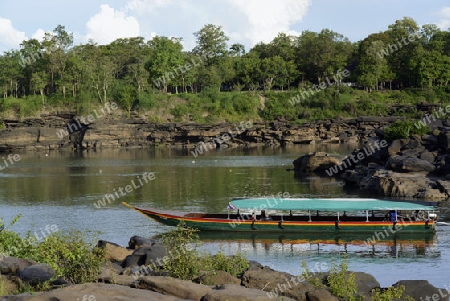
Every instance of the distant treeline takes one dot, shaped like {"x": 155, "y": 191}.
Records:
{"x": 131, "y": 70}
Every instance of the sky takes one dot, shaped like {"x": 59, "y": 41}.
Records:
{"x": 244, "y": 21}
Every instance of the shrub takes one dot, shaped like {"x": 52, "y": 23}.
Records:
{"x": 234, "y": 265}
{"x": 181, "y": 244}
{"x": 11, "y": 244}
{"x": 403, "y": 129}
{"x": 342, "y": 284}
{"x": 390, "y": 293}
{"x": 187, "y": 263}
{"x": 71, "y": 256}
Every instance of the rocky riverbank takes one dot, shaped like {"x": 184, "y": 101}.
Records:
{"x": 126, "y": 276}
{"x": 417, "y": 167}
{"x": 66, "y": 130}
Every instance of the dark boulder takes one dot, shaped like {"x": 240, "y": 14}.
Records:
{"x": 444, "y": 141}
{"x": 137, "y": 241}
{"x": 423, "y": 290}
{"x": 408, "y": 164}
{"x": 38, "y": 273}
{"x": 148, "y": 255}
{"x": 442, "y": 165}
{"x": 427, "y": 156}
{"x": 12, "y": 266}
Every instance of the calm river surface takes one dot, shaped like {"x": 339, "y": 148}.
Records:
{"x": 60, "y": 188}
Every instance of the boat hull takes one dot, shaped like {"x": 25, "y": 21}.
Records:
{"x": 237, "y": 225}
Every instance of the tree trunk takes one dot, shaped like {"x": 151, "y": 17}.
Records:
{"x": 42, "y": 96}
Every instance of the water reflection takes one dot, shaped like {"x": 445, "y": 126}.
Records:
{"x": 405, "y": 245}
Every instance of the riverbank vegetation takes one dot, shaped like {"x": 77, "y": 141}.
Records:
{"x": 73, "y": 256}
{"x": 388, "y": 72}
{"x": 186, "y": 262}
{"x": 342, "y": 283}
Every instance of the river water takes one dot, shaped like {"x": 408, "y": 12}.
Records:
{"x": 61, "y": 188}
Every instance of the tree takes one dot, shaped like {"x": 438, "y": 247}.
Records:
{"x": 11, "y": 74}
{"x": 165, "y": 61}
{"x": 39, "y": 81}
{"x": 237, "y": 50}
{"x": 248, "y": 72}
{"x": 211, "y": 42}
{"x": 374, "y": 68}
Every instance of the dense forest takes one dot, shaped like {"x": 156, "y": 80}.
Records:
{"x": 218, "y": 80}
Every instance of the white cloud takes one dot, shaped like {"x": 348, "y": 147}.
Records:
{"x": 444, "y": 23}
{"x": 10, "y": 38}
{"x": 39, "y": 34}
{"x": 265, "y": 18}
{"x": 110, "y": 24}
{"x": 247, "y": 22}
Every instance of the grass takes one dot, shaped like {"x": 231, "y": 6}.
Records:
{"x": 211, "y": 106}
{"x": 2, "y": 286}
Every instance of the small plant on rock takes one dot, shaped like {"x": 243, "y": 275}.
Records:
{"x": 186, "y": 262}
{"x": 184, "y": 259}
{"x": 233, "y": 265}
{"x": 343, "y": 283}
{"x": 390, "y": 293}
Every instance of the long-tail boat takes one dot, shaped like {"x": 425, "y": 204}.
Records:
{"x": 292, "y": 215}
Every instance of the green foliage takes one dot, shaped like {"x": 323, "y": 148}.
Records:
{"x": 390, "y": 293}
{"x": 186, "y": 262}
{"x": 184, "y": 257}
{"x": 310, "y": 277}
{"x": 234, "y": 265}
{"x": 144, "y": 75}
{"x": 22, "y": 107}
{"x": 11, "y": 244}
{"x": 147, "y": 101}
{"x": 179, "y": 111}
{"x": 71, "y": 256}
{"x": 403, "y": 129}
{"x": 342, "y": 283}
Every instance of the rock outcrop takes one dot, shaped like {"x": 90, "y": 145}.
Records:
{"x": 66, "y": 130}
{"x": 315, "y": 162}
{"x": 418, "y": 167}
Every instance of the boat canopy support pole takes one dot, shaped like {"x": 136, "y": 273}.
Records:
{"x": 367, "y": 215}
{"x": 309, "y": 213}
{"x": 338, "y": 216}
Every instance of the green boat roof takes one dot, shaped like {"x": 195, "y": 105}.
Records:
{"x": 334, "y": 205}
